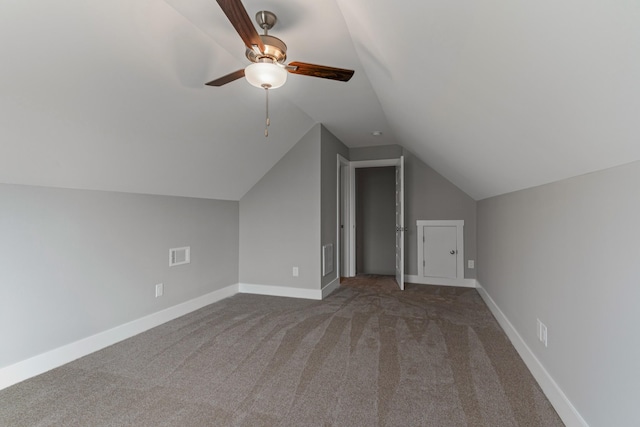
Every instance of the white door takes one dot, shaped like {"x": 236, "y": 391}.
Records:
{"x": 400, "y": 223}
{"x": 440, "y": 251}
{"x": 343, "y": 217}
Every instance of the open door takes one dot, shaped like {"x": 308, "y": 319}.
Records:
{"x": 400, "y": 223}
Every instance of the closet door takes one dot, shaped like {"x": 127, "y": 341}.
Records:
{"x": 440, "y": 251}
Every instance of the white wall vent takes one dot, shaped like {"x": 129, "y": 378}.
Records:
{"x": 327, "y": 259}
{"x": 178, "y": 256}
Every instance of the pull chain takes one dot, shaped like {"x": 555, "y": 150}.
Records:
{"x": 267, "y": 122}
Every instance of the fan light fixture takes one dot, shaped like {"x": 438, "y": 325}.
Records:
{"x": 265, "y": 75}
{"x": 268, "y": 55}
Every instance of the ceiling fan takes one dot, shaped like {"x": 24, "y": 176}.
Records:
{"x": 268, "y": 54}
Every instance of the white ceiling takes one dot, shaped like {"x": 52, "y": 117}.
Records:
{"x": 495, "y": 95}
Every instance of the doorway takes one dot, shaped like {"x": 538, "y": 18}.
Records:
{"x": 375, "y": 220}
{"x": 346, "y": 214}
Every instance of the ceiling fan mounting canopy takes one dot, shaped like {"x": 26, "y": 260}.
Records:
{"x": 266, "y": 20}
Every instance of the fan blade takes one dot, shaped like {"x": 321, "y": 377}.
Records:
{"x": 227, "y": 79}
{"x": 320, "y": 71}
{"x": 240, "y": 20}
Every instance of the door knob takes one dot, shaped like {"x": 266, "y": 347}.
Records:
{"x": 452, "y": 252}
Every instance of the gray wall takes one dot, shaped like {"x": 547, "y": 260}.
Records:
{"x": 567, "y": 253}
{"x": 330, "y": 147}
{"x": 378, "y": 152}
{"x": 430, "y": 196}
{"x": 76, "y": 263}
{"x": 376, "y": 220}
{"x": 280, "y": 220}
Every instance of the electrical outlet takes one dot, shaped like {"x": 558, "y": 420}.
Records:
{"x": 471, "y": 263}
{"x": 159, "y": 290}
{"x": 295, "y": 272}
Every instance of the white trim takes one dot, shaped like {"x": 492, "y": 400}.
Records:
{"x": 342, "y": 196}
{"x": 399, "y": 235}
{"x": 280, "y": 291}
{"x": 352, "y": 201}
{"x": 376, "y": 163}
{"x": 51, "y": 359}
{"x": 332, "y": 286}
{"x": 568, "y": 413}
{"x": 440, "y": 281}
{"x": 352, "y": 220}
{"x": 459, "y": 224}
{"x": 338, "y": 250}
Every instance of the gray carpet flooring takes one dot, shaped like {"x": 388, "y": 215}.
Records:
{"x": 368, "y": 355}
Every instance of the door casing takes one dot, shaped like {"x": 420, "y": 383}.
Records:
{"x": 343, "y": 236}
{"x": 349, "y": 234}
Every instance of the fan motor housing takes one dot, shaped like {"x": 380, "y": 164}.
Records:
{"x": 274, "y": 48}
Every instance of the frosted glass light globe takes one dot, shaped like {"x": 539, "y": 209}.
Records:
{"x": 265, "y": 75}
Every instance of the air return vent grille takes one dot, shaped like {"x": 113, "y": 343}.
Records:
{"x": 178, "y": 256}
{"x": 327, "y": 259}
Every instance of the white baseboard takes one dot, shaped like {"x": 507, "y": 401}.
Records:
{"x": 441, "y": 281}
{"x": 563, "y": 406}
{"x": 41, "y": 363}
{"x": 332, "y": 286}
{"x": 280, "y": 291}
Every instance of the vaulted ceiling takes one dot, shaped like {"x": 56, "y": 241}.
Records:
{"x": 495, "y": 95}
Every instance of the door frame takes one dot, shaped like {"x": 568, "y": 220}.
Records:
{"x": 459, "y": 224}
{"x": 343, "y": 191}
{"x": 350, "y": 256}
{"x": 399, "y": 179}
